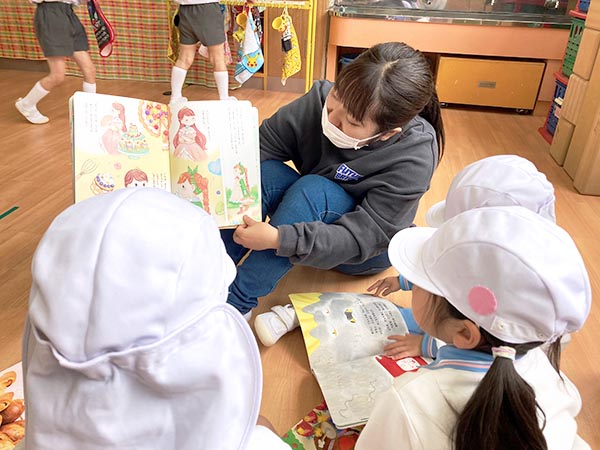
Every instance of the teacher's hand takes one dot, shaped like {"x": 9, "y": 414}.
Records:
{"x": 256, "y": 235}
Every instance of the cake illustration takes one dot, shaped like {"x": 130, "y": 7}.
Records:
{"x": 102, "y": 183}
{"x": 133, "y": 143}
{"x": 154, "y": 117}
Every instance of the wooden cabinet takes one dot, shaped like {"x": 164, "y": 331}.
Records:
{"x": 489, "y": 82}
{"x": 545, "y": 44}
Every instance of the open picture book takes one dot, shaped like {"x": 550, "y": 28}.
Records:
{"x": 206, "y": 152}
{"x": 344, "y": 334}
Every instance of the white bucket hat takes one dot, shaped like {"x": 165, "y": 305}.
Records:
{"x": 510, "y": 271}
{"x": 129, "y": 343}
{"x": 502, "y": 180}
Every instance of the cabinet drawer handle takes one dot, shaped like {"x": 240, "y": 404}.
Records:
{"x": 487, "y": 84}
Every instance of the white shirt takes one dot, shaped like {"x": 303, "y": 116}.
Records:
{"x": 420, "y": 409}
{"x": 261, "y": 439}
{"x": 265, "y": 439}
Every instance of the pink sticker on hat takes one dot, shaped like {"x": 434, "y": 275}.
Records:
{"x": 482, "y": 300}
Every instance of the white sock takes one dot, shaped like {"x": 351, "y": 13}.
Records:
{"x": 222, "y": 80}
{"x": 89, "y": 87}
{"x": 177, "y": 79}
{"x": 36, "y": 93}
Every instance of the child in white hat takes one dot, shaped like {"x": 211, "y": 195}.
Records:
{"x": 501, "y": 180}
{"x": 129, "y": 342}
{"x": 495, "y": 283}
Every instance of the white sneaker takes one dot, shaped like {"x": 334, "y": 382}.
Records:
{"x": 177, "y": 101}
{"x": 31, "y": 113}
{"x": 270, "y": 326}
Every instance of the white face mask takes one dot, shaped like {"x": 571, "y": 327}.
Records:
{"x": 338, "y": 137}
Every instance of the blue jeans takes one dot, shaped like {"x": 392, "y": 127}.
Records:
{"x": 289, "y": 198}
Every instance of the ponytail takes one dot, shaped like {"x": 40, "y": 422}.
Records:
{"x": 432, "y": 113}
{"x": 502, "y": 413}
{"x": 553, "y": 353}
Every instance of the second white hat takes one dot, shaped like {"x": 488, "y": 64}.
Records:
{"x": 501, "y": 180}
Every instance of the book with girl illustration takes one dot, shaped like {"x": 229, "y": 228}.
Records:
{"x": 344, "y": 334}
{"x": 206, "y": 152}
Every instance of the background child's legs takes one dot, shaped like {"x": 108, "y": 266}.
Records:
{"x": 216, "y": 54}
{"x": 86, "y": 65}
{"x": 185, "y": 59}
{"x": 58, "y": 68}
{"x": 60, "y": 34}
{"x": 200, "y": 23}
{"x": 28, "y": 104}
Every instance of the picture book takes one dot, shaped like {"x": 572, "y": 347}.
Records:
{"x": 316, "y": 431}
{"x": 206, "y": 152}
{"x": 12, "y": 407}
{"x": 344, "y": 334}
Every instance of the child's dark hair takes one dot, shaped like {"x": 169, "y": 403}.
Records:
{"x": 391, "y": 83}
{"x": 502, "y": 413}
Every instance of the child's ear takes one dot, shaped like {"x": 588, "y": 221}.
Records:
{"x": 468, "y": 335}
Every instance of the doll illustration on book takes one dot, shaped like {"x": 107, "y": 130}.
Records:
{"x": 115, "y": 127}
{"x": 190, "y": 185}
{"x": 240, "y": 194}
{"x": 189, "y": 142}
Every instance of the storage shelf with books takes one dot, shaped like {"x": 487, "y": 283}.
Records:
{"x": 548, "y": 129}
{"x": 562, "y": 79}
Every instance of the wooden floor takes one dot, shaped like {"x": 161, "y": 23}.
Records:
{"x": 35, "y": 175}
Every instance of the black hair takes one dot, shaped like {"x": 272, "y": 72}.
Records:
{"x": 391, "y": 83}
{"x": 502, "y": 413}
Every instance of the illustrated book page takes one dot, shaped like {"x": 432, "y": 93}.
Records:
{"x": 316, "y": 431}
{"x": 344, "y": 334}
{"x": 206, "y": 152}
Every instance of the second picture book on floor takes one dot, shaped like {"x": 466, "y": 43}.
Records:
{"x": 206, "y": 152}
{"x": 344, "y": 334}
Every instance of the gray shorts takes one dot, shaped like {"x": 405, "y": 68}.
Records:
{"x": 201, "y": 23}
{"x": 59, "y": 30}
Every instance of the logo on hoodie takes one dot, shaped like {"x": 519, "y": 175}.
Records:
{"x": 345, "y": 173}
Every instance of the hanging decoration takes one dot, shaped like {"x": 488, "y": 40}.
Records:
{"x": 292, "y": 62}
{"x": 105, "y": 35}
{"x": 250, "y": 57}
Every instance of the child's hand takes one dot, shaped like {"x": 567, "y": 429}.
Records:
{"x": 256, "y": 235}
{"x": 407, "y": 345}
{"x": 385, "y": 286}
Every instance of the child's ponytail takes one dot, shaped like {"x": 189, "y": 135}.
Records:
{"x": 432, "y": 113}
{"x": 502, "y": 413}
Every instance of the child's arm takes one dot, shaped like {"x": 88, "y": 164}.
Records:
{"x": 403, "y": 346}
{"x": 416, "y": 343}
{"x": 385, "y": 286}
{"x": 412, "y": 345}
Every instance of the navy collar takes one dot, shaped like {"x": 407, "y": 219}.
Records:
{"x": 450, "y": 357}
